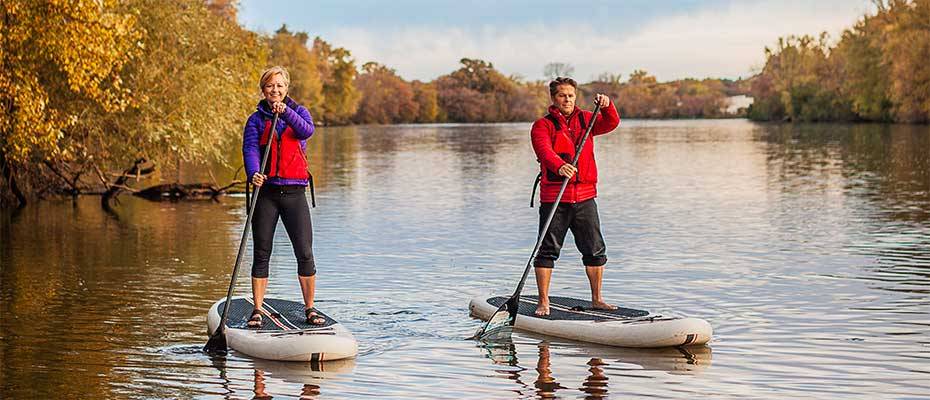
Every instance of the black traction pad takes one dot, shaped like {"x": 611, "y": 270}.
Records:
{"x": 567, "y": 308}
{"x": 278, "y": 315}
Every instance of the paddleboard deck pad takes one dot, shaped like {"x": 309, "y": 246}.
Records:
{"x": 577, "y": 319}
{"x": 285, "y": 334}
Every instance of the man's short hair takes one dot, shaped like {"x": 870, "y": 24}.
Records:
{"x": 559, "y": 81}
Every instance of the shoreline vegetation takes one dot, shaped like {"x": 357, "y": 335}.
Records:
{"x": 128, "y": 91}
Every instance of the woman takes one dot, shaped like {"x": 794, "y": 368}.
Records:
{"x": 282, "y": 186}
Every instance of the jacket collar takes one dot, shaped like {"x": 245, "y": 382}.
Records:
{"x": 553, "y": 110}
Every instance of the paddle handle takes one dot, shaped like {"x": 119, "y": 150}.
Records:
{"x": 245, "y": 232}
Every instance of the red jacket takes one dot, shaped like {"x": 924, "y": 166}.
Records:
{"x": 554, "y": 143}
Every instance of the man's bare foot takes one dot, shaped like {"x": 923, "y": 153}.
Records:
{"x": 542, "y": 310}
{"x": 600, "y": 305}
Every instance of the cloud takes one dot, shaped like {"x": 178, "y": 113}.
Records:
{"x": 724, "y": 42}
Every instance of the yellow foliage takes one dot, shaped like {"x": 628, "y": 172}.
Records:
{"x": 56, "y": 53}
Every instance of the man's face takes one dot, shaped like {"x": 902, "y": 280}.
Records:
{"x": 564, "y": 99}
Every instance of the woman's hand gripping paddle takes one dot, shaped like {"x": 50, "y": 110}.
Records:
{"x": 216, "y": 345}
{"x": 500, "y": 324}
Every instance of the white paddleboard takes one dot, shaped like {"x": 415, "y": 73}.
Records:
{"x": 285, "y": 334}
{"x": 575, "y": 319}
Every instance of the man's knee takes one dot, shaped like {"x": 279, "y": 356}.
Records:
{"x": 594, "y": 261}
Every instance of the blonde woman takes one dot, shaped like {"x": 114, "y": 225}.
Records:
{"x": 282, "y": 187}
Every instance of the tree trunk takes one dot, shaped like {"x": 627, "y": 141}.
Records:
{"x": 117, "y": 186}
{"x": 10, "y": 177}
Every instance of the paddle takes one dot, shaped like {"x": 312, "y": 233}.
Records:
{"x": 503, "y": 321}
{"x": 217, "y": 343}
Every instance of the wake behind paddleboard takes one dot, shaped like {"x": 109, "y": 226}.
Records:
{"x": 575, "y": 319}
{"x": 285, "y": 334}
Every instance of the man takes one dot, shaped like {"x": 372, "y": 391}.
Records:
{"x": 555, "y": 138}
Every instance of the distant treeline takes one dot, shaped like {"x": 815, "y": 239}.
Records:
{"x": 476, "y": 92}
{"x": 97, "y": 95}
{"x": 878, "y": 71}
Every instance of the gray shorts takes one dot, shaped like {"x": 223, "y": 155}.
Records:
{"x": 583, "y": 220}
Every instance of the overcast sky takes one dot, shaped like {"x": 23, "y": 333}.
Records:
{"x": 670, "y": 39}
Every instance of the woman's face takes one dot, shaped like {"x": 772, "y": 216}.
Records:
{"x": 275, "y": 89}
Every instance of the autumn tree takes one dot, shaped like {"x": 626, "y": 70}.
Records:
{"x": 386, "y": 98}
{"x": 905, "y": 39}
{"x": 337, "y": 71}
{"x": 876, "y": 72}
{"x": 59, "y": 60}
{"x": 122, "y": 82}
{"x": 290, "y": 50}
{"x": 198, "y": 76}
{"x": 866, "y": 78}
{"x": 803, "y": 80}
{"x": 476, "y": 92}
{"x": 427, "y": 99}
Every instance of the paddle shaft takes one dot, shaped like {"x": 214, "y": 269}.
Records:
{"x": 245, "y": 232}
{"x": 555, "y": 205}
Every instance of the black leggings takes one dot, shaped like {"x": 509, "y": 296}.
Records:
{"x": 290, "y": 203}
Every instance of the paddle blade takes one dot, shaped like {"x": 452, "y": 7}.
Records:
{"x": 216, "y": 346}
{"x": 500, "y": 325}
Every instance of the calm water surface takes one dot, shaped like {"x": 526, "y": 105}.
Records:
{"x": 806, "y": 247}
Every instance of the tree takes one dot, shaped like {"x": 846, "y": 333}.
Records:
{"x": 290, "y": 51}
{"x": 427, "y": 99}
{"x": 337, "y": 71}
{"x": 122, "y": 83}
{"x": 59, "y": 59}
{"x": 476, "y": 92}
{"x": 906, "y": 48}
{"x": 556, "y": 69}
{"x": 386, "y": 98}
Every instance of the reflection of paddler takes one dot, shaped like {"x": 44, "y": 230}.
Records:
{"x": 546, "y": 384}
{"x": 309, "y": 390}
{"x": 595, "y": 385}
{"x": 259, "y": 388}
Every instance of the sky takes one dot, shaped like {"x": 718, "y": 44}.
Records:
{"x": 670, "y": 39}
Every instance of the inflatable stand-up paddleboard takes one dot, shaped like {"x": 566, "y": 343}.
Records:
{"x": 576, "y": 319}
{"x": 285, "y": 334}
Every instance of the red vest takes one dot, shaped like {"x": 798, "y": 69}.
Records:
{"x": 287, "y": 159}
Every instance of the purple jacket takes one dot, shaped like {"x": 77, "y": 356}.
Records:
{"x": 295, "y": 116}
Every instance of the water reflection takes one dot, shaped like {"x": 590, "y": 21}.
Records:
{"x": 805, "y": 246}
{"x": 600, "y": 362}
{"x": 885, "y": 164}
{"x": 303, "y": 380}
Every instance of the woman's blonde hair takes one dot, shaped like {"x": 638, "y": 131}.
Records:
{"x": 271, "y": 72}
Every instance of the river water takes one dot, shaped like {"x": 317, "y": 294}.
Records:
{"x": 807, "y": 247}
